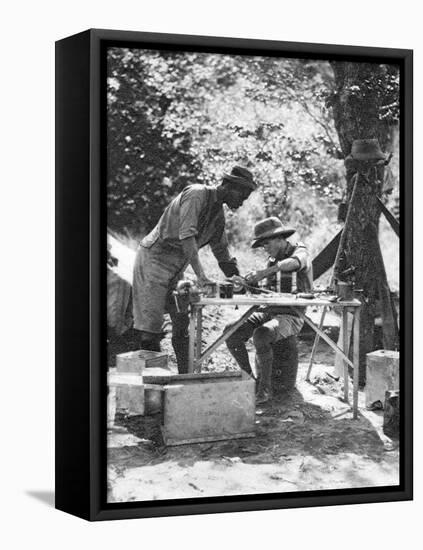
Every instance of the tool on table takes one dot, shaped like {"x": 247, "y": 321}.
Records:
{"x": 240, "y": 283}
{"x": 226, "y": 290}
{"x": 219, "y": 290}
{"x": 210, "y": 290}
{"x": 186, "y": 292}
{"x": 306, "y": 295}
{"x": 345, "y": 283}
{"x": 345, "y": 291}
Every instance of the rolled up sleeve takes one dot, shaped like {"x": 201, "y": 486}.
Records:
{"x": 301, "y": 254}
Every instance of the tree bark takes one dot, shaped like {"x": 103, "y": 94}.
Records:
{"x": 356, "y": 114}
{"x": 356, "y": 104}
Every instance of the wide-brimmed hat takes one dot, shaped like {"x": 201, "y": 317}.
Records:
{"x": 270, "y": 228}
{"x": 366, "y": 149}
{"x": 242, "y": 176}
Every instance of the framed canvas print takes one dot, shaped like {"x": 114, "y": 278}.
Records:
{"x": 234, "y": 274}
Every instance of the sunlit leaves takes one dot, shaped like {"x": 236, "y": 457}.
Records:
{"x": 176, "y": 118}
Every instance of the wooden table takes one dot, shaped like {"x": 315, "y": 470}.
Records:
{"x": 197, "y": 356}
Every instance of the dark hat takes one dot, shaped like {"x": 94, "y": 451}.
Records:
{"x": 242, "y": 176}
{"x": 366, "y": 149}
{"x": 268, "y": 229}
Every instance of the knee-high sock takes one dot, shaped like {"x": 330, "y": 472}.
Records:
{"x": 264, "y": 362}
{"x": 180, "y": 346}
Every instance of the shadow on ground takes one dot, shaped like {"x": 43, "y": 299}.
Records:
{"x": 289, "y": 426}
{"x": 46, "y": 497}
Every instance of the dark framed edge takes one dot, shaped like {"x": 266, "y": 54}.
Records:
{"x": 80, "y": 282}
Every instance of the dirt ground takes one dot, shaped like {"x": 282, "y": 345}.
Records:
{"x": 305, "y": 440}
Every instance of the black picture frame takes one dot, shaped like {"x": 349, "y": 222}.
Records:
{"x": 80, "y": 281}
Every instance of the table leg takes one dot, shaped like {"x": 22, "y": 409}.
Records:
{"x": 199, "y": 322}
{"x": 356, "y": 360}
{"x": 316, "y": 341}
{"x": 326, "y": 338}
{"x": 191, "y": 342}
{"x": 226, "y": 333}
{"x": 345, "y": 348}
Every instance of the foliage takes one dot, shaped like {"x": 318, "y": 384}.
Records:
{"x": 178, "y": 118}
{"x": 149, "y": 158}
{"x": 364, "y": 102}
{"x": 378, "y": 83}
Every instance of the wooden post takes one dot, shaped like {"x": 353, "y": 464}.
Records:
{"x": 199, "y": 320}
{"x": 388, "y": 313}
{"x": 356, "y": 360}
{"x": 191, "y": 343}
{"x": 345, "y": 349}
{"x": 359, "y": 247}
{"x": 316, "y": 341}
{"x": 339, "y": 363}
{"x": 344, "y": 234}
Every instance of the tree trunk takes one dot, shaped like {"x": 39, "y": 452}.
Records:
{"x": 356, "y": 104}
{"x": 356, "y": 113}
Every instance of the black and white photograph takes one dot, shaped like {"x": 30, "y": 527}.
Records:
{"x": 253, "y": 273}
{"x": 209, "y": 312}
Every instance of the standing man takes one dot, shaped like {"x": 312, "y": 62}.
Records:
{"x": 271, "y": 324}
{"x": 193, "y": 219}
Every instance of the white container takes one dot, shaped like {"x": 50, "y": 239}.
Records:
{"x": 382, "y": 374}
{"x": 136, "y": 361}
{"x": 129, "y": 393}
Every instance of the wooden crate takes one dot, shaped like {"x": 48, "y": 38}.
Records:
{"x": 382, "y": 374}
{"x": 137, "y": 361}
{"x": 208, "y": 407}
{"x": 128, "y": 390}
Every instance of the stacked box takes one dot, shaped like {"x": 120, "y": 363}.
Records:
{"x": 382, "y": 374}
{"x": 129, "y": 392}
{"x": 129, "y": 381}
{"x": 136, "y": 361}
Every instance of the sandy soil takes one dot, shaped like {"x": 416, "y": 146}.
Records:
{"x": 305, "y": 440}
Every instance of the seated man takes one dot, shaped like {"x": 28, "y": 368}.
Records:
{"x": 271, "y": 324}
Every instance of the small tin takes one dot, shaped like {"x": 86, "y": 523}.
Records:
{"x": 210, "y": 290}
{"x": 345, "y": 291}
{"x": 226, "y": 290}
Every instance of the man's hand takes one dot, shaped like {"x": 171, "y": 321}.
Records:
{"x": 202, "y": 280}
{"x": 254, "y": 277}
{"x": 190, "y": 249}
{"x": 237, "y": 280}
